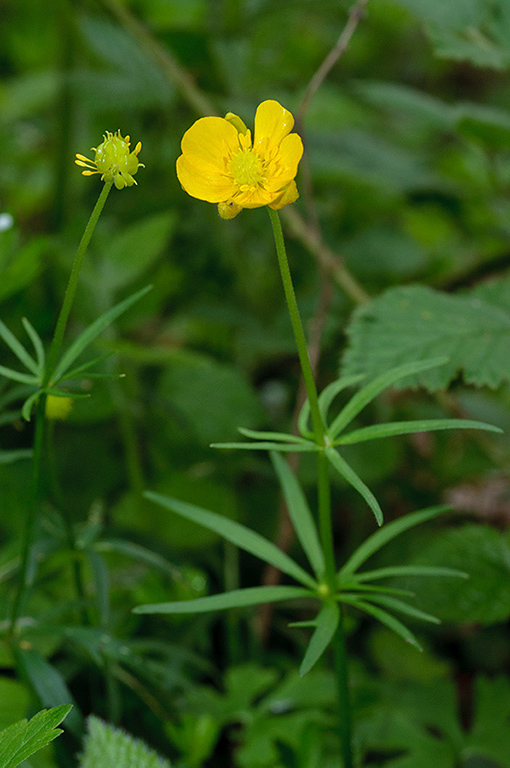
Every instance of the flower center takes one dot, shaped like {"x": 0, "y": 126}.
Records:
{"x": 247, "y": 168}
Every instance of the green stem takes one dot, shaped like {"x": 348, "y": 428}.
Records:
{"x": 31, "y": 518}
{"x": 323, "y": 492}
{"x": 344, "y": 700}
{"x": 297, "y": 327}
{"x": 63, "y": 317}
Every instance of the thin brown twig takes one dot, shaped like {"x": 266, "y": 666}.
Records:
{"x": 356, "y": 14}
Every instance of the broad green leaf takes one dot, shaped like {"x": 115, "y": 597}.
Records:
{"x": 50, "y": 685}
{"x": 385, "y": 618}
{"x": 484, "y": 553}
{"x": 18, "y": 349}
{"x": 108, "y": 747}
{"x": 489, "y": 734}
{"x": 300, "y": 514}
{"x": 412, "y": 322}
{"x": 339, "y": 463}
{"x": 365, "y": 395}
{"x": 409, "y": 570}
{"x": 236, "y": 533}
{"x": 237, "y": 598}
{"x": 24, "y": 378}
{"x": 386, "y": 534}
{"x": 92, "y": 332}
{"x": 377, "y": 431}
{"x": 22, "y": 739}
{"x": 326, "y": 625}
{"x": 37, "y": 342}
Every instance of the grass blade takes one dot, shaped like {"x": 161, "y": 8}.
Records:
{"x": 340, "y": 464}
{"x": 375, "y": 387}
{"x": 300, "y": 514}
{"x": 237, "y": 598}
{"x": 377, "y": 431}
{"x": 386, "y": 534}
{"x": 236, "y": 533}
{"x": 326, "y": 625}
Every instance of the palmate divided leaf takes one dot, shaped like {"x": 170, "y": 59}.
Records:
{"x": 22, "y": 739}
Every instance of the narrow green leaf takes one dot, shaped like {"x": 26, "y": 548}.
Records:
{"x": 401, "y": 607}
{"x": 329, "y": 393}
{"x": 326, "y": 625}
{"x": 355, "y": 588}
{"x": 18, "y": 349}
{"x": 37, "y": 342}
{"x": 138, "y": 552}
{"x": 236, "y": 533}
{"x": 50, "y": 685}
{"x": 76, "y": 373}
{"x": 25, "y": 378}
{"x": 410, "y": 570}
{"x": 283, "y": 436}
{"x": 92, "y": 332}
{"x": 300, "y": 514}
{"x": 21, "y": 740}
{"x": 376, "y": 431}
{"x": 386, "y": 534}
{"x": 388, "y": 620}
{"x": 340, "y": 464}
{"x": 26, "y": 410}
{"x": 302, "y": 422}
{"x": 237, "y": 598}
{"x": 365, "y": 395}
{"x": 263, "y": 446}
{"x": 9, "y": 457}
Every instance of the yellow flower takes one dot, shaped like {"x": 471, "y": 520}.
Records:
{"x": 113, "y": 160}
{"x": 58, "y": 408}
{"x": 221, "y": 164}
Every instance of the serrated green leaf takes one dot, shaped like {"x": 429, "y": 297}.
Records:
{"x": 236, "y": 533}
{"x": 106, "y": 746}
{"x": 92, "y": 332}
{"x": 472, "y": 330}
{"x": 376, "y": 431}
{"x": 341, "y": 466}
{"x": 386, "y": 534}
{"x": 237, "y": 598}
{"x": 300, "y": 514}
{"x": 370, "y": 391}
{"x": 22, "y": 739}
{"x": 326, "y": 625}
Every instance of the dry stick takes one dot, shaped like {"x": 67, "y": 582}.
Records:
{"x": 330, "y": 265}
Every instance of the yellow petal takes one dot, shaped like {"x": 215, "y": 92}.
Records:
{"x": 209, "y": 142}
{"x": 236, "y": 122}
{"x": 290, "y": 195}
{"x": 204, "y": 185}
{"x": 272, "y": 123}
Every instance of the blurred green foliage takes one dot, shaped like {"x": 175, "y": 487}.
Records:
{"x": 407, "y": 171}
